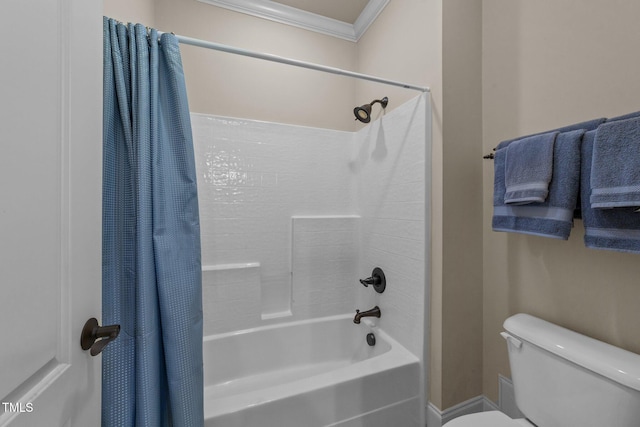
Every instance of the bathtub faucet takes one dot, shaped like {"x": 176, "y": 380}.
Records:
{"x": 374, "y": 312}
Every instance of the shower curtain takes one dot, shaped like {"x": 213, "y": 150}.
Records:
{"x": 152, "y": 373}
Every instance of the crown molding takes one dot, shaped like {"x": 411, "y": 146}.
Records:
{"x": 284, "y": 14}
{"x": 368, "y": 15}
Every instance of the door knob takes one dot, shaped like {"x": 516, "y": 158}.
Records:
{"x": 92, "y": 332}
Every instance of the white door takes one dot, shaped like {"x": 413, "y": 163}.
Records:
{"x": 50, "y": 210}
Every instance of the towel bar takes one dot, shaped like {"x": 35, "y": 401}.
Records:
{"x": 489, "y": 156}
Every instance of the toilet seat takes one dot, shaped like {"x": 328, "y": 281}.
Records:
{"x": 487, "y": 419}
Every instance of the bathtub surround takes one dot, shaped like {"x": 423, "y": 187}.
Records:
{"x": 390, "y": 161}
{"x": 231, "y": 297}
{"x": 259, "y": 183}
{"x": 323, "y": 252}
{"x": 324, "y": 261}
{"x": 292, "y": 217}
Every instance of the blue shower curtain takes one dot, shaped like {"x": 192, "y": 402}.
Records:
{"x": 152, "y": 373}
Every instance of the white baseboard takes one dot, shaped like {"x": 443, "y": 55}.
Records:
{"x": 506, "y": 404}
{"x": 437, "y": 418}
{"x": 488, "y": 405}
{"x": 434, "y": 416}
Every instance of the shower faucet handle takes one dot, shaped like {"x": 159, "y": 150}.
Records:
{"x": 377, "y": 280}
{"x": 370, "y": 281}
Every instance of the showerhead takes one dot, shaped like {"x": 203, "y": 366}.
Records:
{"x": 363, "y": 113}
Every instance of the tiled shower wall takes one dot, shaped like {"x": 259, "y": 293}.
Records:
{"x": 292, "y": 216}
{"x": 253, "y": 178}
{"x": 391, "y": 158}
{"x": 325, "y": 264}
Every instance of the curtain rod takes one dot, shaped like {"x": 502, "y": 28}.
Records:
{"x": 275, "y": 58}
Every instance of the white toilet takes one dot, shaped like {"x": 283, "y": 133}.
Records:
{"x": 565, "y": 379}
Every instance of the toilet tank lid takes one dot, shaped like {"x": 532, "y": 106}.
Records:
{"x": 619, "y": 365}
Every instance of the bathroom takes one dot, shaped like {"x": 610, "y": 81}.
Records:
{"x": 497, "y": 69}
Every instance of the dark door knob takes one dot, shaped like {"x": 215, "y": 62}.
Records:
{"x": 91, "y": 333}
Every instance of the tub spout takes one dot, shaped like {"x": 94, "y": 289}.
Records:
{"x": 374, "y": 312}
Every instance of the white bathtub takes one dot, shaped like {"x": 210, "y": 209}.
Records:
{"x": 318, "y": 372}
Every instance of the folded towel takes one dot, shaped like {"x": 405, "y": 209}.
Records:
{"x": 528, "y": 169}
{"x": 554, "y": 217}
{"x": 615, "y": 173}
{"x": 577, "y": 214}
{"x": 611, "y": 229}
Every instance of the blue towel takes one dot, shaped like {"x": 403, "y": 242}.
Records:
{"x": 554, "y": 217}
{"x": 577, "y": 214}
{"x": 528, "y": 169}
{"x": 586, "y": 126}
{"x": 615, "y": 169}
{"x": 611, "y": 229}
{"x": 624, "y": 117}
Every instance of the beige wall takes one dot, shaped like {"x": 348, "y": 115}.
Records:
{"x": 548, "y": 63}
{"x": 462, "y": 225}
{"x": 411, "y": 55}
{"x": 142, "y": 11}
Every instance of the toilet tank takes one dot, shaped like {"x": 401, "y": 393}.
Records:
{"x": 562, "y": 378}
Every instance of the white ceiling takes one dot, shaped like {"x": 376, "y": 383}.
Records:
{"x": 346, "y": 19}
{"x": 342, "y": 10}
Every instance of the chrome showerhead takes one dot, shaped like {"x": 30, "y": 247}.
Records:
{"x": 363, "y": 113}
